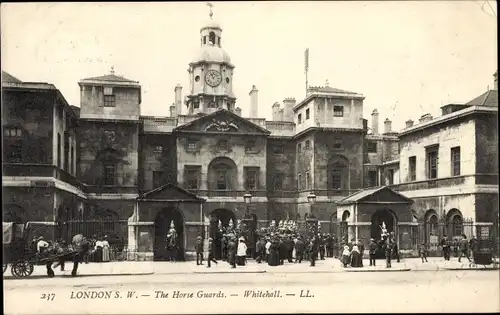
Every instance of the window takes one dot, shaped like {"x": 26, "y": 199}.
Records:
{"x": 223, "y": 145}
{"x": 222, "y": 178}
{"x": 432, "y": 161}
{"x": 193, "y": 177}
{"x": 337, "y": 144}
{"x": 278, "y": 182}
{"x": 72, "y": 166}
{"x": 196, "y": 104}
{"x": 278, "y": 149}
{"x": 412, "y": 168}
{"x": 59, "y": 150}
{"x": 299, "y": 181}
{"x": 390, "y": 177}
{"x": 251, "y": 178}
{"x": 371, "y": 146}
{"x": 308, "y": 178}
{"x": 211, "y": 37}
{"x": 110, "y": 135}
{"x": 337, "y": 179}
{"x": 15, "y": 153}
{"x": 308, "y": 144}
{"x": 307, "y": 113}
{"x": 299, "y": 147}
{"x": 13, "y": 132}
{"x": 250, "y": 146}
{"x": 456, "y": 226}
{"x": 157, "y": 178}
{"x": 109, "y": 174}
{"x": 455, "y": 161}
{"x": 66, "y": 152}
{"x": 372, "y": 179}
{"x": 109, "y": 101}
{"x": 338, "y": 111}
{"x": 192, "y": 145}
{"x": 299, "y": 118}
{"x": 204, "y": 40}
{"x": 212, "y": 105}
{"x": 158, "y": 151}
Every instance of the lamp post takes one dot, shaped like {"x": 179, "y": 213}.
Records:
{"x": 248, "y": 199}
{"x": 311, "y": 221}
{"x": 248, "y": 228}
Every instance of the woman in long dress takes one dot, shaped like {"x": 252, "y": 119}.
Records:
{"x": 241, "y": 252}
{"x": 356, "y": 257}
{"x": 105, "y": 250}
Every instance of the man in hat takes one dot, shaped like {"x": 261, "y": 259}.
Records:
{"x": 321, "y": 242}
{"x": 232, "y": 247}
{"x": 41, "y": 245}
{"x": 289, "y": 248}
{"x": 260, "y": 249}
{"x": 445, "y": 244}
{"x": 372, "y": 247}
{"x": 464, "y": 248}
{"x": 211, "y": 256}
{"x": 299, "y": 249}
{"x": 329, "y": 245}
{"x": 199, "y": 251}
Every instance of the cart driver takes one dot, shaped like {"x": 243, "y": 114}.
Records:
{"x": 41, "y": 245}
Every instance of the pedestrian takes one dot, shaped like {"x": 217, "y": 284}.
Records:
{"x": 313, "y": 253}
{"x": 105, "y": 249}
{"x": 322, "y": 249}
{"x": 463, "y": 248}
{"x": 268, "y": 248}
{"x": 199, "y": 251}
{"x": 299, "y": 250}
{"x": 445, "y": 244}
{"x": 388, "y": 254}
{"x": 260, "y": 249}
{"x": 356, "y": 257}
{"x": 211, "y": 254}
{"x": 274, "y": 255}
{"x": 282, "y": 251}
{"x": 98, "y": 249}
{"x": 346, "y": 254}
{"x": 241, "y": 252}
{"x": 232, "y": 248}
{"x": 474, "y": 246}
{"x": 289, "y": 248}
{"x": 422, "y": 252}
{"x": 361, "y": 248}
{"x": 372, "y": 248}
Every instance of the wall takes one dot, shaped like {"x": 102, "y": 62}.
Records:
{"x": 486, "y": 207}
{"x": 443, "y": 204}
{"x": 281, "y": 163}
{"x": 151, "y": 161}
{"x": 304, "y": 162}
{"x": 459, "y": 132}
{"x": 127, "y": 103}
{"x": 93, "y": 138}
{"x": 486, "y": 128}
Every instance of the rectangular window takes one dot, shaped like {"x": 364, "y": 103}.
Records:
{"x": 59, "y": 150}
{"x": 196, "y": 104}
{"x": 390, "y": 177}
{"x": 299, "y": 181}
{"x": 308, "y": 144}
{"x": 109, "y": 174}
{"x": 72, "y": 166}
{"x": 157, "y": 178}
{"x": 278, "y": 149}
{"x": 432, "y": 162}
{"x": 158, "y": 151}
{"x": 371, "y": 146}
{"x": 193, "y": 177}
{"x": 192, "y": 145}
{"x": 109, "y": 101}
{"x": 307, "y": 113}
{"x": 66, "y": 152}
{"x": 250, "y": 146}
{"x": 336, "y": 179}
{"x": 251, "y": 178}
{"x": 299, "y": 118}
{"x": 222, "y": 179}
{"x": 299, "y": 147}
{"x": 308, "y": 178}
{"x": 372, "y": 177}
{"x": 338, "y": 111}
{"x": 412, "y": 168}
{"x": 108, "y": 90}
{"x": 455, "y": 161}
{"x": 223, "y": 145}
{"x": 337, "y": 144}
{"x": 278, "y": 182}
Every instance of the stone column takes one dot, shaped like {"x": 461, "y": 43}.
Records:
{"x": 133, "y": 233}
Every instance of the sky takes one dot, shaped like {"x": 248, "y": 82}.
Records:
{"x": 407, "y": 58}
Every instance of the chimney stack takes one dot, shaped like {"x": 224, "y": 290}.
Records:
{"x": 237, "y": 111}
{"x": 276, "y": 111}
{"x": 173, "y": 110}
{"x": 288, "y": 105}
{"x": 387, "y": 126}
{"x": 409, "y": 123}
{"x": 425, "y": 118}
{"x": 178, "y": 99}
{"x": 254, "y": 102}
{"x": 495, "y": 80}
{"x": 375, "y": 121}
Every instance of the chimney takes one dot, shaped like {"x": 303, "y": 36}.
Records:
{"x": 276, "y": 111}
{"x": 178, "y": 99}
{"x": 280, "y": 115}
{"x": 237, "y": 111}
{"x": 288, "y": 105}
{"x": 173, "y": 110}
{"x": 387, "y": 126}
{"x": 254, "y": 102}
{"x": 375, "y": 121}
{"x": 495, "y": 80}
{"x": 425, "y": 118}
{"x": 409, "y": 123}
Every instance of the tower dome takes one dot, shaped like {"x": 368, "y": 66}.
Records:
{"x": 211, "y": 53}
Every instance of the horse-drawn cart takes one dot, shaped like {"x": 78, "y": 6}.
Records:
{"x": 16, "y": 251}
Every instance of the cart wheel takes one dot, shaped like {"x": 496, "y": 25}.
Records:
{"x": 22, "y": 268}
{"x": 472, "y": 265}
{"x": 5, "y": 265}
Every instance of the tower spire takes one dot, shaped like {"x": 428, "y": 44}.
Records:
{"x": 211, "y": 12}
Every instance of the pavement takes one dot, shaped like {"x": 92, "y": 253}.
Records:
{"x": 330, "y": 265}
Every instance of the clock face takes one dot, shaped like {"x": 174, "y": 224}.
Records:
{"x": 213, "y": 78}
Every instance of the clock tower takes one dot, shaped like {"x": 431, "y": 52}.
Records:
{"x": 210, "y": 73}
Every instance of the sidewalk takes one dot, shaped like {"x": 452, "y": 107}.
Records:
{"x": 330, "y": 265}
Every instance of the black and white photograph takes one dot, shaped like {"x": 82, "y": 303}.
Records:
{"x": 250, "y": 157}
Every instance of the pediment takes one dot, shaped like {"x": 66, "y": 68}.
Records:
{"x": 376, "y": 195}
{"x": 170, "y": 192}
{"x": 222, "y": 121}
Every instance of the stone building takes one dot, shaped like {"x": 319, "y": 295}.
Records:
{"x": 104, "y": 169}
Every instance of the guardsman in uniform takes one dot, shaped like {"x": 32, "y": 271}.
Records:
{"x": 232, "y": 248}
{"x": 372, "y": 247}
{"x": 388, "y": 253}
{"x": 199, "y": 251}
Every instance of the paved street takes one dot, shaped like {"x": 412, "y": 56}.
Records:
{"x": 462, "y": 291}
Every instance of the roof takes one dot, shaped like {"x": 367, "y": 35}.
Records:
{"x": 327, "y": 89}
{"x": 110, "y": 77}
{"x": 365, "y": 193}
{"x": 488, "y": 98}
{"x": 6, "y": 77}
{"x": 183, "y": 194}
{"x": 211, "y": 53}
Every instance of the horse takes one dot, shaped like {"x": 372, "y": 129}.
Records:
{"x": 79, "y": 247}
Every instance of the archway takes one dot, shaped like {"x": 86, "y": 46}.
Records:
{"x": 224, "y": 216}
{"x": 346, "y": 215}
{"x": 378, "y": 219}
{"x": 222, "y": 175}
{"x": 455, "y": 223}
{"x": 162, "y": 223}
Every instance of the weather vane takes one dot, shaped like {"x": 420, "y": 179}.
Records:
{"x": 210, "y": 6}
{"x": 112, "y": 70}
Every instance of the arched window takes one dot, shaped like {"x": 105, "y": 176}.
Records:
{"x": 433, "y": 225}
{"x": 211, "y": 37}
{"x": 457, "y": 226}
{"x": 346, "y": 215}
{"x": 338, "y": 173}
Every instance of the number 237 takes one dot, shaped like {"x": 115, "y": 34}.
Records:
{"x": 48, "y": 296}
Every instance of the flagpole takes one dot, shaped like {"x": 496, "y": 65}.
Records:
{"x": 306, "y": 66}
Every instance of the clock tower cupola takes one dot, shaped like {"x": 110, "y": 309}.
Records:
{"x": 210, "y": 73}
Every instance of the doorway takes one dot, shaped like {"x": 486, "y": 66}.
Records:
{"x": 162, "y": 225}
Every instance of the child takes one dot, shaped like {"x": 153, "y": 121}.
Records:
{"x": 422, "y": 252}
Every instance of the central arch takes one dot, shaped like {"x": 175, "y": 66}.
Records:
{"x": 162, "y": 223}
{"x": 222, "y": 174}
{"x": 378, "y": 218}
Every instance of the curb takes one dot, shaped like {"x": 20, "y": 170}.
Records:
{"x": 227, "y": 271}
{"x": 80, "y": 275}
{"x": 378, "y": 270}
{"x": 470, "y": 269}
